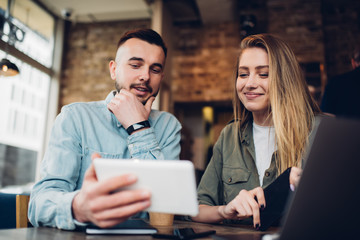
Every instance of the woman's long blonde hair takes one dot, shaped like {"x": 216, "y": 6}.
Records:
{"x": 292, "y": 108}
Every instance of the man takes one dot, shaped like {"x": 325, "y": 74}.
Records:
{"x": 121, "y": 126}
{"x": 341, "y": 95}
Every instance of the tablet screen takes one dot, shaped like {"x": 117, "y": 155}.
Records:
{"x": 171, "y": 182}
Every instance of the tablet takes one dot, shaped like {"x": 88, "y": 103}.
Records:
{"x": 276, "y": 197}
{"x": 171, "y": 182}
{"x": 129, "y": 227}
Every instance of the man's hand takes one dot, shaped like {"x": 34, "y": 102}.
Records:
{"x": 98, "y": 203}
{"x": 244, "y": 205}
{"x": 128, "y": 109}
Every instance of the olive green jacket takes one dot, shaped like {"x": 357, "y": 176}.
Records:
{"x": 232, "y": 168}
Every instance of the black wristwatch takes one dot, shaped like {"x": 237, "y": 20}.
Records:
{"x": 137, "y": 126}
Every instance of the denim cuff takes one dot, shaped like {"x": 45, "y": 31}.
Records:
{"x": 143, "y": 145}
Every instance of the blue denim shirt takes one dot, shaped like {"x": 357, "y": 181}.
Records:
{"x": 80, "y": 130}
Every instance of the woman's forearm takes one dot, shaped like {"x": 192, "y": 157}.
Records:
{"x": 209, "y": 214}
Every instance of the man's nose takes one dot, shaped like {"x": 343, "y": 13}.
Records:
{"x": 145, "y": 75}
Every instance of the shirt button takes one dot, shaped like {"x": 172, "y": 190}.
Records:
{"x": 267, "y": 174}
{"x": 229, "y": 180}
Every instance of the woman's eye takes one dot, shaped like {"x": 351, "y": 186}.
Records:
{"x": 264, "y": 75}
{"x": 243, "y": 75}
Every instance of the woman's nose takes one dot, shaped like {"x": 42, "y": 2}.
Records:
{"x": 251, "y": 82}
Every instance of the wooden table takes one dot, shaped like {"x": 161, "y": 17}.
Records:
{"x": 222, "y": 232}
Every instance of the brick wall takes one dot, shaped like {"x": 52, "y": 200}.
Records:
{"x": 299, "y": 23}
{"x": 321, "y": 32}
{"x": 341, "y": 33}
{"x": 88, "y": 50}
{"x": 205, "y": 58}
{"x": 204, "y": 62}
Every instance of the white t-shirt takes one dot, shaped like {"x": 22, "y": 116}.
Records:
{"x": 264, "y": 141}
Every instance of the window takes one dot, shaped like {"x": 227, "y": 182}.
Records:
{"x": 24, "y": 98}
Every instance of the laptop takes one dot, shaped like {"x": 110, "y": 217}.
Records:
{"x": 326, "y": 204}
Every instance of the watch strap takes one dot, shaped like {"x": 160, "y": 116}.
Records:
{"x": 137, "y": 126}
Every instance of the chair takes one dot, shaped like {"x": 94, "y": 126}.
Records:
{"x": 22, "y": 203}
{"x": 13, "y": 211}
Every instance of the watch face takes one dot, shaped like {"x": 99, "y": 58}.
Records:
{"x": 136, "y": 126}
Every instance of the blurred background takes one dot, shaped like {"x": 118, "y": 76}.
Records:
{"x": 59, "y": 53}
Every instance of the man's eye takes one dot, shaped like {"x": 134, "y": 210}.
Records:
{"x": 135, "y": 65}
{"x": 156, "y": 70}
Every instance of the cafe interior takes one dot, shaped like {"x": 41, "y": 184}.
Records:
{"x": 56, "y": 52}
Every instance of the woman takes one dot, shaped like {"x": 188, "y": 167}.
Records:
{"x": 274, "y": 114}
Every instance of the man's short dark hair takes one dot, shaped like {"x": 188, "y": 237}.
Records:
{"x": 147, "y": 35}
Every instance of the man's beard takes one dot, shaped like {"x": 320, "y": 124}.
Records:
{"x": 143, "y": 101}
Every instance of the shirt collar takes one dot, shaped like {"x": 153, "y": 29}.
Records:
{"x": 110, "y": 96}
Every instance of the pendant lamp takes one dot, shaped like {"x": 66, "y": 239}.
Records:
{"x": 7, "y": 68}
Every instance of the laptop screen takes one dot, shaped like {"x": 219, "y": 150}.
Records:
{"x": 326, "y": 202}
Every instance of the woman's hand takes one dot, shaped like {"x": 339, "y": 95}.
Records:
{"x": 244, "y": 205}
{"x": 294, "y": 178}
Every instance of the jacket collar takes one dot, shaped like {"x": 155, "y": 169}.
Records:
{"x": 246, "y": 134}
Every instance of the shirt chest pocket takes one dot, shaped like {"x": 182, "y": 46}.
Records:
{"x": 234, "y": 180}
{"x": 235, "y": 175}
{"x": 89, "y": 151}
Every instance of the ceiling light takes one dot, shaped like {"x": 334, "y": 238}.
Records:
{"x": 8, "y": 68}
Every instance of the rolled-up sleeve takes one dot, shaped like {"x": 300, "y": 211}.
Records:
{"x": 159, "y": 142}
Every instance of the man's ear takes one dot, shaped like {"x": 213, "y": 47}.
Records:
{"x": 112, "y": 68}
